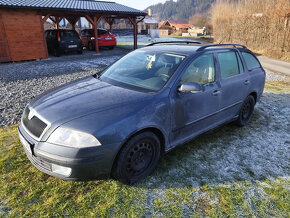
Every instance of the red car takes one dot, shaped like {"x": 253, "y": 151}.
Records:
{"x": 105, "y": 39}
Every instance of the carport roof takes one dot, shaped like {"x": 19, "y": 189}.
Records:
{"x": 73, "y": 5}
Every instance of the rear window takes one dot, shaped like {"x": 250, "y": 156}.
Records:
{"x": 103, "y": 32}
{"x": 251, "y": 61}
{"x": 68, "y": 34}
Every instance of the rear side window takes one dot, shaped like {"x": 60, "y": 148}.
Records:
{"x": 228, "y": 64}
{"x": 251, "y": 61}
{"x": 201, "y": 70}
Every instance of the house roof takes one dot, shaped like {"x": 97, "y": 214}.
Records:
{"x": 150, "y": 20}
{"x": 181, "y": 25}
{"x": 72, "y": 5}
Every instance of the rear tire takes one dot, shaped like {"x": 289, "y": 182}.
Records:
{"x": 56, "y": 52}
{"x": 137, "y": 159}
{"x": 111, "y": 47}
{"x": 90, "y": 46}
{"x": 246, "y": 111}
{"x": 80, "y": 51}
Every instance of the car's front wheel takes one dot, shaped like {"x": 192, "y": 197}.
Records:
{"x": 137, "y": 159}
{"x": 246, "y": 111}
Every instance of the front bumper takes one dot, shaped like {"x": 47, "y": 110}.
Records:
{"x": 84, "y": 164}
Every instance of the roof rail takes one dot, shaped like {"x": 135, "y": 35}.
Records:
{"x": 216, "y": 45}
{"x": 175, "y": 42}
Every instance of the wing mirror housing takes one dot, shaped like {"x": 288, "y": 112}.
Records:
{"x": 190, "y": 87}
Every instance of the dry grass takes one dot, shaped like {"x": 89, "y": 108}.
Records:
{"x": 262, "y": 25}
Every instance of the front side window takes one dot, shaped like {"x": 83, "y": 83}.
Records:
{"x": 143, "y": 70}
{"x": 201, "y": 70}
{"x": 228, "y": 64}
{"x": 250, "y": 60}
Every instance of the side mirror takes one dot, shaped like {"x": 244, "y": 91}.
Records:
{"x": 191, "y": 87}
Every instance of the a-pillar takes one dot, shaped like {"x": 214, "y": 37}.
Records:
{"x": 134, "y": 23}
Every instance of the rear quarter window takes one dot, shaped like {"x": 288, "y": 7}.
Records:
{"x": 251, "y": 61}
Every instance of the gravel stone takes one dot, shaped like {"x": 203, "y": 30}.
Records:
{"x": 20, "y": 82}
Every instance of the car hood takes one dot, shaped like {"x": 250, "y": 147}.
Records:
{"x": 83, "y": 97}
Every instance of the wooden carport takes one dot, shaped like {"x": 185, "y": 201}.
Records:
{"x": 93, "y": 19}
{"x": 55, "y": 10}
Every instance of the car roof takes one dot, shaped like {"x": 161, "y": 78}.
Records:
{"x": 185, "y": 49}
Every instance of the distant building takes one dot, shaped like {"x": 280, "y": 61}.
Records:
{"x": 171, "y": 27}
{"x": 147, "y": 25}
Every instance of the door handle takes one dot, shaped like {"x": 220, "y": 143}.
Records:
{"x": 247, "y": 82}
{"x": 216, "y": 92}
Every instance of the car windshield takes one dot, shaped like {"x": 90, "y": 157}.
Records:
{"x": 143, "y": 70}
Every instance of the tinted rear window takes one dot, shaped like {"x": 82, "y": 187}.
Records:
{"x": 68, "y": 34}
{"x": 251, "y": 61}
{"x": 103, "y": 32}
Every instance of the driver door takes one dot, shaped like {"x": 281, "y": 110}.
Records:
{"x": 194, "y": 113}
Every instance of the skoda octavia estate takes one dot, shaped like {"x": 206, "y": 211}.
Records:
{"x": 117, "y": 123}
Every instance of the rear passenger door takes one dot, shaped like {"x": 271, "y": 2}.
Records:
{"x": 234, "y": 81}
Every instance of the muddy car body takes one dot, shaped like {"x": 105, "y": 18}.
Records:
{"x": 117, "y": 123}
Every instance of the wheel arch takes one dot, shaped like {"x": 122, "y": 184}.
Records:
{"x": 152, "y": 129}
{"x": 254, "y": 94}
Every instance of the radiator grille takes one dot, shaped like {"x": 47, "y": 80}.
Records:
{"x": 35, "y": 126}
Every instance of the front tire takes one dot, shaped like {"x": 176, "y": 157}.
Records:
{"x": 137, "y": 159}
{"x": 246, "y": 111}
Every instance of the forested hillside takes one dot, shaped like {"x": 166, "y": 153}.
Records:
{"x": 181, "y": 9}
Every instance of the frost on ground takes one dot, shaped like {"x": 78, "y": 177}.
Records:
{"x": 239, "y": 171}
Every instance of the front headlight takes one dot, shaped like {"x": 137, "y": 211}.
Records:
{"x": 72, "y": 138}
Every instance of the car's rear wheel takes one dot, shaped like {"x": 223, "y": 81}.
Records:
{"x": 56, "y": 52}
{"x": 80, "y": 51}
{"x": 111, "y": 47}
{"x": 90, "y": 46}
{"x": 137, "y": 159}
{"x": 246, "y": 111}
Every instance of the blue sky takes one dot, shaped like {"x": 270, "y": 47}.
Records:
{"x": 138, "y": 4}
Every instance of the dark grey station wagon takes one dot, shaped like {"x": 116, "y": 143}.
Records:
{"x": 118, "y": 122}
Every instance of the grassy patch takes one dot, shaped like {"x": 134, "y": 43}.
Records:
{"x": 172, "y": 190}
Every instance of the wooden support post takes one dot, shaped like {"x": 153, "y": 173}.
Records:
{"x": 110, "y": 21}
{"x": 57, "y": 19}
{"x": 73, "y": 21}
{"x": 97, "y": 19}
{"x": 133, "y": 21}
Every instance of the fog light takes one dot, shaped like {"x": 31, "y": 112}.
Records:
{"x": 65, "y": 171}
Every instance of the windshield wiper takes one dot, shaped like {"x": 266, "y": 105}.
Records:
{"x": 97, "y": 75}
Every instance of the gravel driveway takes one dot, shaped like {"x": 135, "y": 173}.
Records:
{"x": 22, "y": 81}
